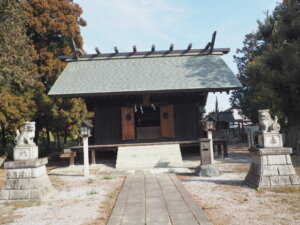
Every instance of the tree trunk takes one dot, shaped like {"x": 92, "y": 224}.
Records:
{"x": 58, "y": 141}
{"x": 48, "y": 138}
{"x": 3, "y": 140}
{"x": 65, "y": 135}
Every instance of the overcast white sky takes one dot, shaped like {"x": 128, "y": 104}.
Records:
{"x": 124, "y": 23}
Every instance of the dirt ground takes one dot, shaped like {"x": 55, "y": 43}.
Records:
{"x": 227, "y": 201}
{"x": 76, "y": 201}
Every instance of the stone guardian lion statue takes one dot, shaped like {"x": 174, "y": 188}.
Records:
{"x": 27, "y": 135}
{"x": 267, "y": 124}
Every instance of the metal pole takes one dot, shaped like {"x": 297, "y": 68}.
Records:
{"x": 209, "y": 136}
{"x": 86, "y": 170}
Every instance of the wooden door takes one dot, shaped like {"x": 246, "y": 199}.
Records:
{"x": 167, "y": 121}
{"x": 128, "y": 125}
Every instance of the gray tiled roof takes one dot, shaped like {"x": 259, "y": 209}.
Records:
{"x": 136, "y": 74}
{"x": 226, "y": 117}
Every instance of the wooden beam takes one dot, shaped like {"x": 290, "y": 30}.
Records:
{"x": 171, "y": 47}
{"x": 189, "y": 47}
{"x": 134, "y": 49}
{"x": 116, "y": 50}
{"x": 146, "y": 100}
{"x": 153, "y": 48}
{"x": 97, "y": 51}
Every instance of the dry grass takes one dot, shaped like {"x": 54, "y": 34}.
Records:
{"x": 287, "y": 190}
{"x": 106, "y": 207}
{"x": 107, "y": 177}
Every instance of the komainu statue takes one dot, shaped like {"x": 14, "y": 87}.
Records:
{"x": 27, "y": 135}
{"x": 267, "y": 124}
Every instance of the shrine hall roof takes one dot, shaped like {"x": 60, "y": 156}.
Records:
{"x": 144, "y": 73}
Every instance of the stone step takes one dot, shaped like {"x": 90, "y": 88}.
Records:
{"x": 151, "y": 156}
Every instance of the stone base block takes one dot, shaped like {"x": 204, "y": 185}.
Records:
{"x": 271, "y": 167}
{"x": 207, "y": 171}
{"x": 26, "y": 180}
{"x": 270, "y": 140}
{"x": 25, "y": 152}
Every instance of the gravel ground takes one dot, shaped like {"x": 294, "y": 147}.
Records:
{"x": 227, "y": 201}
{"x": 76, "y": 201}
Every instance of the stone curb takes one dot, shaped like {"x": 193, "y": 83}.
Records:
{"x": 118, "y": 209}
{"x": 194, "y": 207}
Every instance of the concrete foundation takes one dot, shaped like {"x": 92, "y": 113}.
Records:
{"x": 26, "y": 180}
{"x": 149, "y": 156}
{"x": 271, "y": 167}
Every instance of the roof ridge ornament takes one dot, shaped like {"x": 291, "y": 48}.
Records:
{"x": 134, "y": 49}
{"x": 189, "y": 47}
{"x": 153, "y": 48}
{"x": 97, "y": 51}
{"x": 116, "y": 50}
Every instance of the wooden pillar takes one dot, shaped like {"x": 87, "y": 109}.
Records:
{"x": 219, "y": 145}
{"x": 72, "y": 158}
{"x": 93, "y": 157}
{"x": 225, "y": 149}
{"x": 243, "y": 137}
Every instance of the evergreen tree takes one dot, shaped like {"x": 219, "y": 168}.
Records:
{"x": 269, "y": 69}
{"x": 18, "y": 72}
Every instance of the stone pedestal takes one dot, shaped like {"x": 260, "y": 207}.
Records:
{"x": 271, "y": 167}
{"x": 270, "y": 140}
{"x": 25, "y": 152}
{"x": 26, "y": 180}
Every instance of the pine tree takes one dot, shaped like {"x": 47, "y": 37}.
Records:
{"x": 269, "y": 69}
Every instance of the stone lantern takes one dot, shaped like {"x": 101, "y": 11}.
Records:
{"x": 85, "y": 129}
{"x": 206, "y": 169}
{"x": 209, "y": 125}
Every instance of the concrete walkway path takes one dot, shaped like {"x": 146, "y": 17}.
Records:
{"x": 155, "y": 199}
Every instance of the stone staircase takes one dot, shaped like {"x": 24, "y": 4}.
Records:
{"x": 149, "y": 156}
